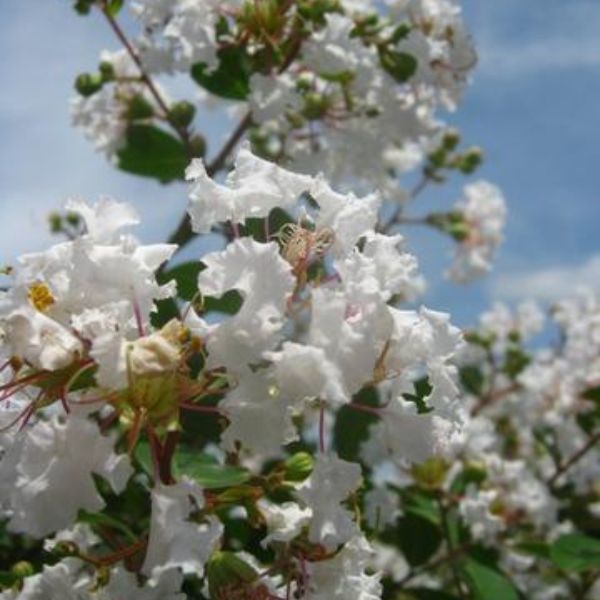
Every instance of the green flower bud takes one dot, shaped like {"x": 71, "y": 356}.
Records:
{"x": 65, "y": 549}
{"x": 55, "y": 222}
{"x": 22, "y": 569}
{"x": 451, "y": 139}
{"x": 73, "y": 219}
{"x": 107, "y": 71}
{"x": 315, "y": 106}
{"x": 470, "y": 160}
{"x": 182, "y": 113}
{"x": 299, "y": 466}
{"x": 83, "y": 7}
{"x": 198, "y": 145}
{"x": 139, "y": 108}
{"x": 87, "y": 84}
{"x": 226, "y": 571}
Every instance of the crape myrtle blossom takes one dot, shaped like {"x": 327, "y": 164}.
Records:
{"x": 270, "y": 420}
{"x": 483, "y": 214}
{"x": 314, "y": 328}
{"x": 347, "y": 83}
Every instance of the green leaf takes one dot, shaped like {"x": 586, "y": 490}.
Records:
{"x": 114, "y": 6}
{"x": 151, "y": 152}
{"x": 352, "y": 425}
{"x": 229, "y": 303}
{"x": 186, "y": 277}
{"x": 488, "y": 584}
{"x": 104, "y": 520}
{"x": 592, "y": 394}
{"x": 428, "y": 594}
{"x": 472, "y": 380}
{"x": 422, "y": 505}
{"x": 231, "y": 79}
{"x": 418, "y": 538}
{"x": 165, "y": 311}
{"x": 400, "y": 65}
{"x": 539, "y": 549}
{"x": 576, "y": 552}
{"x": 422, "y": 390}
{"x": 210, "y": 475}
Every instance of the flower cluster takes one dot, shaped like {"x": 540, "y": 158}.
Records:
{"x": 280, "y": 418}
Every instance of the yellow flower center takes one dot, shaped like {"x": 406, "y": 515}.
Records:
{"x": 40, "y": 296}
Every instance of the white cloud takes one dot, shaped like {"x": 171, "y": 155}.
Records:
{"x": 516, "y": 38}
{"x": 548, "y": 284}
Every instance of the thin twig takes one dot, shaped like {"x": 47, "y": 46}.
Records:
{"x": 565, "y": 466}
{"x": 181, "y": 131}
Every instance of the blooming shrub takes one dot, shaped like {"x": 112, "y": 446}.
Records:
{"x": 273, "y": 420}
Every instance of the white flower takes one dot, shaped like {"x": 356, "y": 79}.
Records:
{"x": 330, "y": 483}
{"x": 105, "y": 218}
{"x": 52, "y": 474}
{"x": 174, "y": 540}
{"x": 284, "y": 522}
{"x": 475, "y": 508}
{"x": 484, "y": 211}
{"x": 265, "y": 282}
{"x": 252, "y": 189}
{"x": 303, "y": 372}
{"x": 344, "y": 577}
{"x": 260, "y": 419}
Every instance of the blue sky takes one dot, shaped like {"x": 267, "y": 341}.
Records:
{"x": 534, "y": 108}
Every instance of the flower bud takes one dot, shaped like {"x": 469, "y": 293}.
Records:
{"x": 22, "y": 569}
{"x": 55, "y": 222}
{"x": 451, "y": 139}
{"x": 107, "y": 71}
{"x": 315, "y": 106}
{"x": 198, "y": 145}
{"x": 225, "y": 571}
{"x": 65, "y": 549}
{"x": 87, "y": 84}
{"x": 139, "y": 108}
{"x": 470, "y": 160}
{"x": 182, "y": 113}
{"x": 299, "y": 466}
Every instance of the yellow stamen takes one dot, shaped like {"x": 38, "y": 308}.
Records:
{"x": 40, "y": 296}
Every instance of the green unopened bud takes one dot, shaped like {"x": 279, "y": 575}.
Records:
{"x": 83, "y": 7}
{"x": 438, "y": 157}
{"x": 139, "y": 108}
{"x": 73, "y": 219}
{"x": 65, "y": 549}
{"x": 315, "y": 106}
{"x": 460, "y": 231}
{"x": 299, "y": 466}
{"x": 261, "y": 16}
{"x": 22, "y": 569}
{"x": 475, "y": 471}
{"x": 470, "y": 160}
{"x": 198, "y": 145}
{"x": 55, "y": 222}
{"x": 87, "y": 84}
{"x": 430, "y": 474}
{"x": 182, "y": 113}
{"x": 226, "y": 571}
{"x": 451, "y": 139}
{"x": 107, "y": 71}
